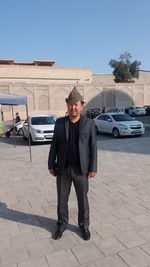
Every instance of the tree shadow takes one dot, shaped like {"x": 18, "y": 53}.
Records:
{"x": 110, "y": 97}
{"x": 32, "y": 219}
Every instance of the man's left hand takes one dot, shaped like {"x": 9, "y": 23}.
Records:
{"x": 91, "y": 174}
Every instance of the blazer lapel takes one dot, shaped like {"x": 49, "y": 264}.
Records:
{"x": 81, "y": 124}
{"x": 67, "y": 128}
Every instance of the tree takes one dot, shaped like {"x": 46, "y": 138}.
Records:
{"x": 124, "y": 70}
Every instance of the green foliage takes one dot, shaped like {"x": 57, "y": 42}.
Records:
{"x": 124, "y": 70}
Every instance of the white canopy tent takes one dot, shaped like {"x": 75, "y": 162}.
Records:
{"x": 15, "y": 100}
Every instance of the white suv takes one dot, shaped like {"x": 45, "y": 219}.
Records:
{"x": 136, "y": 111}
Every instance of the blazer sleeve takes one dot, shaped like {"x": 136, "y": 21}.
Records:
{"x": 93, "y": 149}
{"x": 52, "y": 158}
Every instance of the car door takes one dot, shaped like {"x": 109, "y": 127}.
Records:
{"x": 100, "y": 123}
{"x": 108, "y": 124}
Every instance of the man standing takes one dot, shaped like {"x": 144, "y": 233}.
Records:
{"x": 73, "y": 158}
{"x": 17, "y": 119}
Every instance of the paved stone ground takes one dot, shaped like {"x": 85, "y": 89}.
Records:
{"x": 119, "y": 203}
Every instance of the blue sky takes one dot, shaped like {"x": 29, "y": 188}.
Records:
{"x": 75, "y": 33}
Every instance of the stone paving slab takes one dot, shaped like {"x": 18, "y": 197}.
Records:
{"x": 119, "y": 206}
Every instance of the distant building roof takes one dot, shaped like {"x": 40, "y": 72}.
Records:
{"x": 34, "y": 63}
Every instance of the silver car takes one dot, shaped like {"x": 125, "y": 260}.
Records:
{"x": 118, "y": 124}
{"x": 41, "y": 128}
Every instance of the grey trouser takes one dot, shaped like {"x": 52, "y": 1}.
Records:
{"x": 80, "y": 181}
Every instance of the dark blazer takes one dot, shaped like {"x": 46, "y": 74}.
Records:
{"x": 87, "y": 145}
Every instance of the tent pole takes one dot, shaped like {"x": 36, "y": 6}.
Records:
{"x": 13, "y": 125}
{"x": 29, "y": 135}
{"x": 13, "y": 114}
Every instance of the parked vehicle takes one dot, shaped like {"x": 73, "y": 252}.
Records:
{"x": 41, "y": 128}
{"x": 93, "y": 112}
{"x": 147, "y": 109}
{"x": 17, "y": 129}
{"x": 118, "y": 124}
{"x": 116, "y": 109}
{"x": 135, "y": 111}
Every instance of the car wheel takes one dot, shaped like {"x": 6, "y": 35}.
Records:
{"x": 116, "y": 133}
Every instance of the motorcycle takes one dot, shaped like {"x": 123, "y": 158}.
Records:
{"x": 15, "y": 130}
{"x": 18, "y": 128}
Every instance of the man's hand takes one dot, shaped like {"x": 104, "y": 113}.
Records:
{"x": 52, "y": 172}
{"x": 91, "y": 174}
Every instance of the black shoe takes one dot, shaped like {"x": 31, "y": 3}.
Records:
{"x": 58, "y": 234}
{"x": 85, "y": 233}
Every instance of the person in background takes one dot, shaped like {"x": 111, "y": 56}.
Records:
{"x": 89, "y": 113}
{"x": 73, "y": 159}
{"x": 17, "y": 119}
{"x": 103, "y": 109}
{"x": 2, "y": 115}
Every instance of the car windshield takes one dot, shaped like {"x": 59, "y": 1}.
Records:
{"x": 122, "y": 117}
{"x": 96, "y": 110}
{"x": 42, "y": 120}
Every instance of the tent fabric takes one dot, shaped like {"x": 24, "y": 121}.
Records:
{"x": 12, "y": 99}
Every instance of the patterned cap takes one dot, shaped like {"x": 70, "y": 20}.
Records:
{"x": 74, "y": 97}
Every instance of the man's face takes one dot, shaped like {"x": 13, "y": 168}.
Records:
{"x": 74, "y": 110}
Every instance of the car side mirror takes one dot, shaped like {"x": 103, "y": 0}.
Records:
{"x": 109, "y": 120}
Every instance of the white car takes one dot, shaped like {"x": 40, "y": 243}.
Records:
{"x": 136, "y": 111}
{"x": 118, "y": 124}
{"x": 41, "y": 128}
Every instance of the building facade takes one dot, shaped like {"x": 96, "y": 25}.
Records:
{"x": 46, "y": 87}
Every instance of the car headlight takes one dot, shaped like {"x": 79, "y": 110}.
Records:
{"x": 38, "y": 131}
{"x": 123, "y": 126}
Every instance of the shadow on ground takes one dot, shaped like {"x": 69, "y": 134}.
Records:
{"x": 18, "y": 141}
{"x": 32, "y": 219}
